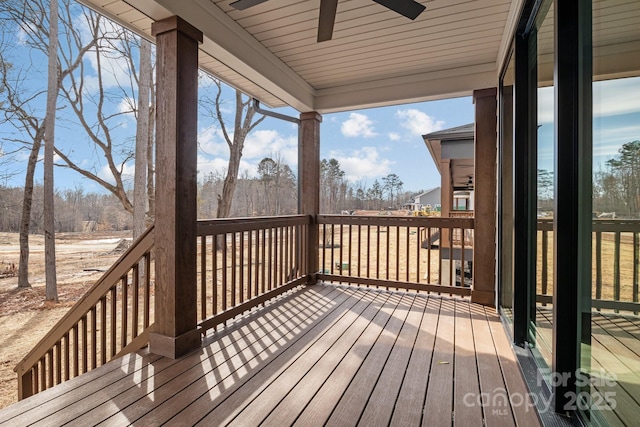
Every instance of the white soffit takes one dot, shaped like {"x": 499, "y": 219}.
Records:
{"x": 376, "y": 57}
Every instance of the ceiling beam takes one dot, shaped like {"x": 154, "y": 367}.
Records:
{"x": 429, "y": 86}
{"x": 230, "y": 44}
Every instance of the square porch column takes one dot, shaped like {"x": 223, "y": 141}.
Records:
{"x": 485, "y": 188}
{"x": 309, "y": 186}
{"x": 175, "y": 332}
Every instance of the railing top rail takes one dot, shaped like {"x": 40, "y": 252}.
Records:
{"x": 623, "y": 225}
{"x": 434, "y": 222}
{"x": 230, "y": 225}
{"x": 135, "y": 252}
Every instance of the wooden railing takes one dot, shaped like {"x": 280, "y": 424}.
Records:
{"x": 615, "y": 264}
{"x": 461, "y": 214}
{"x": 244, "y": 262}
{"x": 399, "y": 252}
{"x": 112, "y": 319}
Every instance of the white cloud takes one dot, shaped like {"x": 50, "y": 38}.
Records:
{"x": 214, "y": 152}
{"x": 128, "y": 172}
{"x": 127, "y": 106}
{"x": 270, "y": 143}
{"x": 417, "y": 122}
{"x": 218, "y": 166}
{"x": 394, "y": 136}
{"x": 362, "y": 164}
{"x": 211, "y": 142}
{"x": 611, "y": 97}
{"x": 358, "y": 125}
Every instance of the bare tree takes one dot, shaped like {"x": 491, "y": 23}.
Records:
{"x": 49, "y": 139}
{"x": 243, "y": 124}
{"x": 142, "y": 140}
{"x": 18, "y": 113}
{"x": 20, "y": 107}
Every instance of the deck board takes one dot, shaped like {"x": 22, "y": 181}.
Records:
{"x": 615, "y": 350}
{"x": 408, "y": 410}
{"x": 297, "y": 397}
{"x": 319, "y": 354}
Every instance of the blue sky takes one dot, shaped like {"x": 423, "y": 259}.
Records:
{"x": 369, "y": 144}
{"x": 616, "y": 120}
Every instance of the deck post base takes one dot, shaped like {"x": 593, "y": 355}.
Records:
{"x": 174, "y": 347}
{"x": 484, "y": 297}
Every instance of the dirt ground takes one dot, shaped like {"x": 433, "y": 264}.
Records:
{"x": 24, "y": 315}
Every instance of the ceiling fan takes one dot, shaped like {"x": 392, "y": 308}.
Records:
{"x": 408, "y": 8}
{"x": 470, "y": 183}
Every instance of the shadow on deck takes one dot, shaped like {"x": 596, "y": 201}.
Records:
{"x": 318, "y": 354}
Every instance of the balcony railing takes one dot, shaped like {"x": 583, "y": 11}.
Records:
{"x": 615, "y": 264}
{"x": 418, "y": 253}
{"x": 112, "y": 319}
{"x": 250, "y": 260}
{"x": 243, "y": 263}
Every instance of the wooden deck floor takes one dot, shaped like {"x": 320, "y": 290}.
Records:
{"x": 318, "y": 355}
{"x": 615, "y": 351}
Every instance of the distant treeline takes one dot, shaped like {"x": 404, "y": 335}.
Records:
{"x": 273, "y": 192}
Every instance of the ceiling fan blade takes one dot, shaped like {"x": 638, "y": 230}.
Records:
{"x": 327, "y": 19}
{"x": 245, "y": 4}
{"x": 409, "y": 8}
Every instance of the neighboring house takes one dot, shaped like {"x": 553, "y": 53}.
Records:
{"x": 428, "y": 198}
{"x": 452, "y": 151}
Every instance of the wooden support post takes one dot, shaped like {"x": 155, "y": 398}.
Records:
{"x": 309, "y": 185}
{"x": 176, "y": 331}
{"x": 484, "y": 243}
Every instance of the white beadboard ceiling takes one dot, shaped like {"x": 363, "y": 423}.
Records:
{"x": 376, "y": 57}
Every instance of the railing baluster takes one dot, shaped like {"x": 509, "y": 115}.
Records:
{"x": 282, "y": 258}
{"x": 545, "y": 279}
{"x": 103, "y": 330}
{"x": 418, "y": 247}
{"x": 135, "y": 301}
{"x": 94, "y": 338}
{"x": 50, "y": 368}
{"x": 332, "y": 259}
{"x": 147, "y": 289}
{"x": 214, "y": 274}
{"x": 377, "y": 252}
{"x": 359, "y": 253}
{"x": 85, "y": 346}
{"x": 43, "y": 373}
{"x": 203, "y": 277}
{"x": 408, "y": 255}
{"x": 387, "y": 254}
{"x": 76, "y": 351}
{"x": 249, "y": 262}
{"x": 636, "y": 262}
{"x": 58, "y": 362}
{"x": 270, "y": 259}
{"x": 124, "y": 304}
{"x": 234, "y": 277}
{"x": 113, "y": 327}
{"x": 350, "y": 245}
{"x": 340, "y": 250}
{"x": 598, "y": 265}
{"x": 242, "y": 285}
{"x": 616, "y": 268}
{"x": 224, "y": 271}
{"x": 462, "y": 273}
{"x": 368, "y": 251}
{"x": 67, "y": 358}
{"x": 263, "y": 261}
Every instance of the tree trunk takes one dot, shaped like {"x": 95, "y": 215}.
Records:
{"x": 142, "y": 141}
{"x": 25, "y": 222}
{"x": 49, "y": 138}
